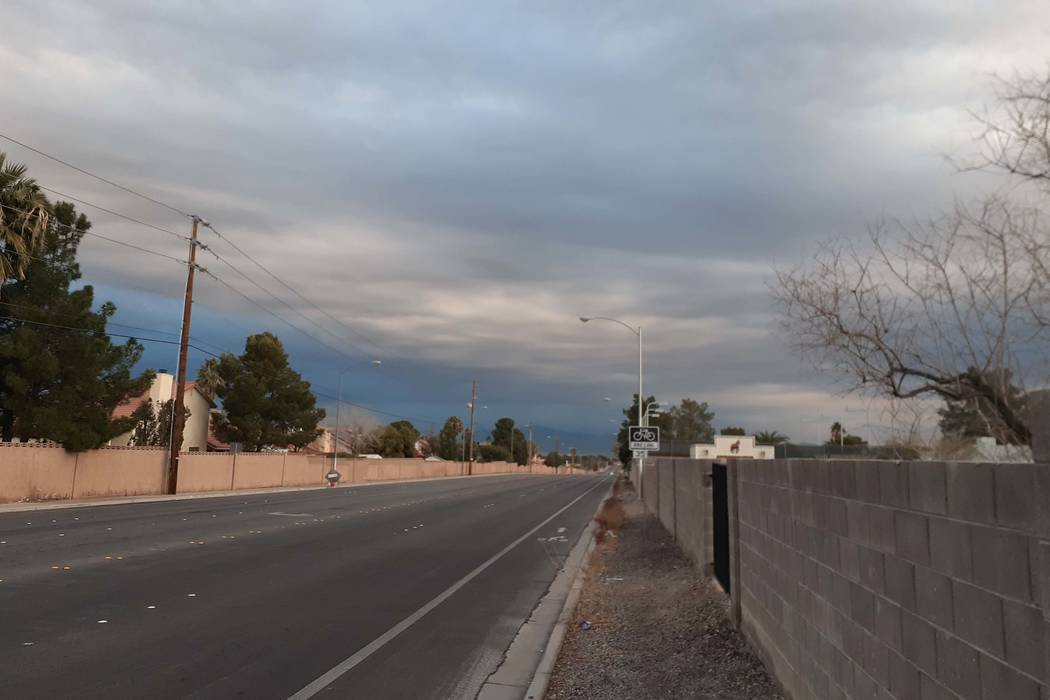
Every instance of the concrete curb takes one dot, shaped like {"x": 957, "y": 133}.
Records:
{"x": 89, "y": 503}
{"x": 529, "y": 661}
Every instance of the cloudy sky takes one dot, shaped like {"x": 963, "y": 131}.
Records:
{"x": 451, "y": 184}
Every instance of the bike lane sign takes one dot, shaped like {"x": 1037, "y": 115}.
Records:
{"x": 644, "y": 438}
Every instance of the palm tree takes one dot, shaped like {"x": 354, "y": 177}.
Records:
{"x": 770, "y": 437}
{"x": 24, "y": 217}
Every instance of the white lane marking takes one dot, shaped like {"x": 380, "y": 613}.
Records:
{"x": 561, "y": 530}
{"x": 382, "y": 640}
{"x": 102, "y": 622}
{"x": 151, "y": 607}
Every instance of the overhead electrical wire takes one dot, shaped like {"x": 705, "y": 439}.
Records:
{"x": 294, "y": 291}
{"x": 98, "y": 332}
{"x": 91, "y": 174}
{"x": 288, "y": 306}
{"x": 132, "y": 219}
{"x": 222, "y": 237}
{"x": 95, "y": 234}
{"x": 180, "y": 211}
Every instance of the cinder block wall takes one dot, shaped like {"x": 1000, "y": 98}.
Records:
{"x": 681, "y": 497}
{"x": 897, "y": 580}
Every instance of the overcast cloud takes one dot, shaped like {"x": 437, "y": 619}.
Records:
{"x": 459, "y": 181}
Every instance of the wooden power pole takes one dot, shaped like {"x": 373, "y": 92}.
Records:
{"x": 470, "y": 435}
{"x": 179, "y": 412}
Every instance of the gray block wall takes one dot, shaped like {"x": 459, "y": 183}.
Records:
{"x": 683, "y": 504}
{"x": 668, "y": 493}
{"x": 897, "y": 580}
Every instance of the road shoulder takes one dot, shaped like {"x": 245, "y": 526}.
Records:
{"x": 527, "y": 665}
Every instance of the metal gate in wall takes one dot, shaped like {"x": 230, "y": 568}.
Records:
{"x": 720, "y": 517}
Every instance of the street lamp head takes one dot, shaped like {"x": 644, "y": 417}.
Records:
{"x": 376, "y": 363}
{"x": 584, "y": 319}
{"x": 607, "y": 398}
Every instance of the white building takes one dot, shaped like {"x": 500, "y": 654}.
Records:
{"x": 725, "y": 446}
{"x": 196, "y": 432}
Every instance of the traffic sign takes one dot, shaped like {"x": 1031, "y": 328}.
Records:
{"x": 644, "y": 438}
{"x": 639, "y": 454}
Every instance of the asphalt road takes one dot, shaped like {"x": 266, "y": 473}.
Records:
{"x": 261, "y": 596}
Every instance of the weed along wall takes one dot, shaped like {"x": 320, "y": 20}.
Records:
{"x": 870, "y": 579}
{"x": 33, "y": 472}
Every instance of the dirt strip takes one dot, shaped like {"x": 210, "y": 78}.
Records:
{"x": 649, "y": 626}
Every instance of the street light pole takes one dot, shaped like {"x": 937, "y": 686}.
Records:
{"x": 338, "y": 407}
{"x": 642, "y": 420}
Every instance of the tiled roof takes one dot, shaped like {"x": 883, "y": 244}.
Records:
{"x": 125, "y": 408}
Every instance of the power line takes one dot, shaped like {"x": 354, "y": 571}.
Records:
{"x": 110, "y": 322}
{"x": 116, "y": 213}
{"x": 98, "y": 332}
{"x": 280, "y": 300}
{"x": 91, "y": 174}
{"x": 96, "y": 235}
{"x": 271, "y": 312}
{"x": 177, "y": 210}
{"x": 295, "y": 291}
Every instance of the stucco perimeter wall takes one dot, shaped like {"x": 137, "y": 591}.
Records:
{"x": 896, "y": 580}
{"x": 205, "y": 471}
{"x": 304, "y": 470}
{"x": 30, "y": 472}
{"x": 258, "y": 470}
{"x": 120, "y": 472}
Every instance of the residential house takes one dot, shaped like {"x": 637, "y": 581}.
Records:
{"x": 196, "y": 434}
{"x": 724, "y": 446}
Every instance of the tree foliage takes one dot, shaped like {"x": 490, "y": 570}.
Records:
{"x": 493, "y": 453}
{"x": 975, "y": 417}
{"x": 770, "y": 437}
{"x": 61, "y": 376}
{"x": 951, "y": 307}
{"x": 25, "y": 218}
{"x": 732, "y": 430}
{"x": 691, "y": 422}
{"x": 838, "y": 437}
{"x": 398, "y": 439}
{"x": 265, "y": 403}
{"x": 448, "y": 440}
{"x": 153, "y": 423}
{"x": 553, "y": 459}
{"x": 511, "y": 439}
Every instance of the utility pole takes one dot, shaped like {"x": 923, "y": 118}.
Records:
{"x": 179, "y": 419}
{"x": 528, "y": 448}
{"x": 470, "y": 449}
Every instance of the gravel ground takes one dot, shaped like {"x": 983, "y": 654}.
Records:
{"x": 660, "y": 632}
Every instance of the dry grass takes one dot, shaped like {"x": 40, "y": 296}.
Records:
{"x": 611, "y": 518}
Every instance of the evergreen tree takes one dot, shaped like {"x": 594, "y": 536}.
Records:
{"x": 265, "y": 403}
{"x": 61, "y": 376}
{"x": 398, "y": 440}
{"x": 153, "y": 423}
{"x": 448, "y": 443}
